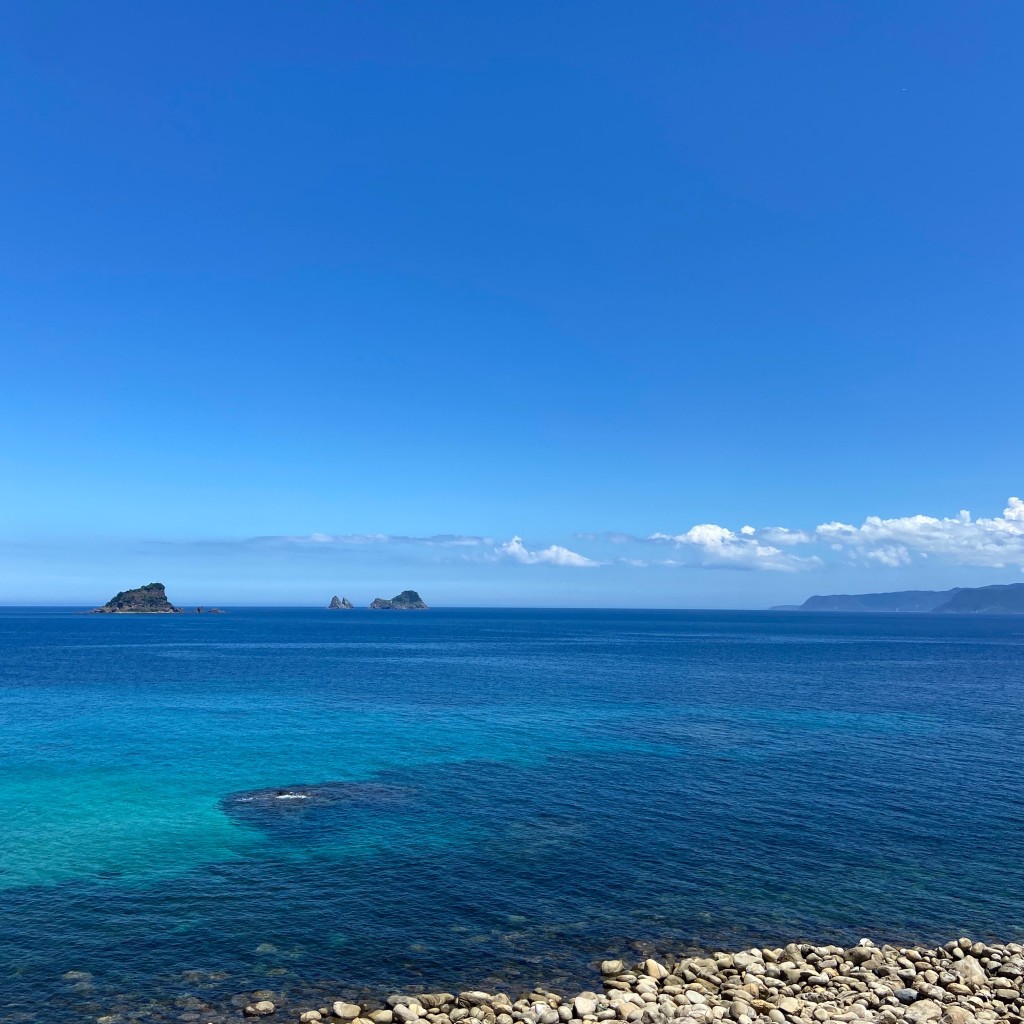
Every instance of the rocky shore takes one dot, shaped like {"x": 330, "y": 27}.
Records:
{"x": 962, "y": 982}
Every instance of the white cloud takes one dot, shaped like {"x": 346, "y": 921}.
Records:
{"x": 553, "y": 555}
{"x": 784, "y": 536}
{"x": 892, "y": 555}
{"x": 442, "y": 540}
{"x": 997, "y": 542}
{"x": 719, "y": 547}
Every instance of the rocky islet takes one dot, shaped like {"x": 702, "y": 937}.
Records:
{"x": 407, "y": 600}
{"x": 150, "y": 599}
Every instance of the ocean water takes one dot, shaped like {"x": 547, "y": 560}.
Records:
{"x": 516, "y": 795}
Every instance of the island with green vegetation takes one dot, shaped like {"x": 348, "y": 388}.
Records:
{"x": 148, "y": 600}
{"x": 407, "y": 600}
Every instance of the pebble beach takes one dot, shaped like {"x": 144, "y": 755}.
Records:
{"x": 960, "y": 982}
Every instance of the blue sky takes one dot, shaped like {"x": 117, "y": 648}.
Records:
{"x": 288, "y": 291}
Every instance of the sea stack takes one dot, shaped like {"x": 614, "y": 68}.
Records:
{"x": 339, "y": 604}
{"x": 148, "y": 600}
{"x": 407, "y": 600}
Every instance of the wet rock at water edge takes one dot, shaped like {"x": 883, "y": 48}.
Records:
{"x": 262, "y": 1008}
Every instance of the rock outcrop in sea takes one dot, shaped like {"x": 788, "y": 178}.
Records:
{"x": 337, "y": 604}
{"x": 962, "y": 982}
{"x": 148, "y": 600}
{"x": 407, "y": 600}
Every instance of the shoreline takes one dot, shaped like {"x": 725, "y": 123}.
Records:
{"x": 960, "y": 982}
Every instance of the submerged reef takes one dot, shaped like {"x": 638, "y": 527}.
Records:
{"x": 303, "y": 805}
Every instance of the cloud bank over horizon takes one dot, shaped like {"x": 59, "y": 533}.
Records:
{"x": 779, "y": 564}
{"x": 995, "y": 542}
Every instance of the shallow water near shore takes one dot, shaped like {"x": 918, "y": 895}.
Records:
{"x": 522, "y": 792}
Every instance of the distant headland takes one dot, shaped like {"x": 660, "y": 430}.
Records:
{"x": 1004, "y": 599}
{"x": 148, "y": 600}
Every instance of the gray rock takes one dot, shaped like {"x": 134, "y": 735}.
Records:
{"x": 584, "y": 1006}
{"x": 655, "y": 970}
{"x": 971, "y": 972}
{"x": 435, "y": 1000}
{"x": 262, "y": 1008}
{"x": 346, "y": 1011}
{"x": 957, "y": 1015}
{"x": 738, "y": 1010}
{"x": 924, "y": 1011}
{"x": 860, "y": 954}
{"x": 474, "y": 998}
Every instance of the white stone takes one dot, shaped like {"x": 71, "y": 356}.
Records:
{"x": 582, "y": 1006}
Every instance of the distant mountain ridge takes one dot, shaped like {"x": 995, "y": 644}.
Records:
{"x": 1000, "y": 598}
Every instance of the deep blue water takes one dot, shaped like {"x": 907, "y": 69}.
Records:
{"x": 525, "y": 791}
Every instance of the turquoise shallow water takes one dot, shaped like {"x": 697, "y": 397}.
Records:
{"x": 527, "y": 790}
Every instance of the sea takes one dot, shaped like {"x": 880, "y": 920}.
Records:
{"x": 316, "y": 805}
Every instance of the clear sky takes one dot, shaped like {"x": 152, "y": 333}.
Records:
{"x": 528, "y": 303}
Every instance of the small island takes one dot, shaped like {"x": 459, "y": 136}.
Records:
{"x": 148, "y": 600}
{"x": 339, "y": 604}
{"x": 407, "y": 600}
